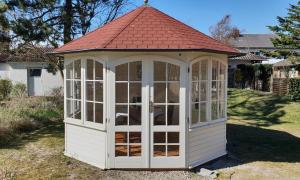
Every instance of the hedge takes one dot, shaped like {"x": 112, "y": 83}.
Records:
{"x": 294, "y": 89}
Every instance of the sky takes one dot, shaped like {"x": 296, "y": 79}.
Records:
{"x": 250, "y": 16}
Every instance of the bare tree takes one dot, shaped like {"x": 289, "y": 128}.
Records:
{"x": 223, "y": 31}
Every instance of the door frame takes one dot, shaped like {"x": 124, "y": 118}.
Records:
{"x": 147, "y": 82}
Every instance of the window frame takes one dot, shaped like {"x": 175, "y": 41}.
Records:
{"x": 210, "y": 59}
{"x": 83, "y": 121}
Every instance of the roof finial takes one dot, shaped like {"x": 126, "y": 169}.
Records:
{"x": 146, "y": 2}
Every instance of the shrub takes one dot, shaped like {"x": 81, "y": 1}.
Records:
{"x": 294, "y": 89}
{"x": 19, "y": 90}
{"x": 57, "y": 96}
{"x": 5, "y": 88}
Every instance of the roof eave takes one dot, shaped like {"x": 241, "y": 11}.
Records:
{"x": 230, "y": 53}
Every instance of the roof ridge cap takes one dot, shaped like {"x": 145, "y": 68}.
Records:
{"x": 99, "y": 28}
{"x": 130, "y": 22}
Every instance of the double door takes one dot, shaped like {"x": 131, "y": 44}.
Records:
{"x": 148, "y": 127}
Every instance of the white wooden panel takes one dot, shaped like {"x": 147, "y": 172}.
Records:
{"x": 206, "y": 143}
{"x": 86, "y": 144}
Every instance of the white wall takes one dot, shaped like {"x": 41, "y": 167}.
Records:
{"x": 206, "y": 143}
{"x": 86, "y": 144}
{"x": 4, "y": 71}
{"x": 18, "y": 73}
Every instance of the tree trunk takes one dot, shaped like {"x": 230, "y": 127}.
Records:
{"x": 68, "y": 21}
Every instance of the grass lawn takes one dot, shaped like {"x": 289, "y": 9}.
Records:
{"x": 263, "y": 143}
{"x": 263, "y": 135}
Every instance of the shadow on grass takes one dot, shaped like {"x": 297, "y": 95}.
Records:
{"x": 258, "y": 110}
{"x": 54, "y": 129}
{"x": 250, "y": 144}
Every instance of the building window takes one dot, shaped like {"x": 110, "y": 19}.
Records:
{"x": 199, "y": 92}
{"x": 218, "y": 90}
{"x": 94, "y": 91}
{"x": 35, "y": 72}
{"x": 208, "y": 91}
{"x": 73, "y": 90}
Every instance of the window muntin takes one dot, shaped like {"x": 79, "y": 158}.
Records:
{"x": 73, "y": 90}
{"x": 94, "y": 92}
{"x": 199, "y": 106}
{"x": 208, "y": 91}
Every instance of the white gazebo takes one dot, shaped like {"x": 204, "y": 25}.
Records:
{"x": 145, "y": 91}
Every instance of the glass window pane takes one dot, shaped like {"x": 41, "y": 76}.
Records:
{"x": 77, "y": 90}
{"x": 173, "y": 72}
{"x": 214, "y": 110}
{"x": 203, "y": 91}
{"x": 121, "y": 93}
{"x": 222, "y": 91}
{"x": 135, "y": 137}
{"x": 70, "y": 109}
{"x": 204, "y": 70}
{"x": 99, "y": 113}
{"x": 222, "y": 72}
{"x": 222, "y": 112}
{"x": 214, "y": 91}
{"x": 173, "y": 115}
{"x": 69, "y": 88}
{"x": 203, "y": 112}
{"x": 159, "y": 115}
{"x": 121, "y": 115}
{"x": 77, "y": 109}
{"x": 121, "y": 150}
{"x": 90, "y": 111}
{"x": 77, "y": 69}
{"x": 214, "y": 70}
{"x": 135, "y": 150}
{"x": 98, "y": 71}
{"x": 90, "y": 69}
{"x": 90, "y": 90}
{"x": 159, "y": 150}
{"x": 99, "y": 91}
{"x": 173, "y": 137}
{"x": 135, "y": 92}
{"x": 135, "y": 71}
{"x": 173, "y": 92}
{"x": 195, "y": 92}
{"x": 173, "y": 150}
{"x": 135, "y": 115}
{"x": 159, "y": 92}
{"x": 159, "y": 137}
{"x": 195, "y": 71}
{"x": 160, "y": 71}
{"x": 69, "y": 71}
{"x": 195, "y": 113}
{"x": 121, "y": 137}
{"x": 122, "y": 72}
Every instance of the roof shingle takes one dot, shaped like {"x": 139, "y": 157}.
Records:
{"x": 145, "y": 28}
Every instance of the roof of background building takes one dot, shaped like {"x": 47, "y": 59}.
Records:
{"x": 284, "y": 63}
{"x": 28, "y": 53}
{"x": 254, "y": 41}
{"x": 250, "y": 57}
{"x": 147, "y": 29}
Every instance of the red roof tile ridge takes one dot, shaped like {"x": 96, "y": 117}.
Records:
{"x": 130, "y": 22}
{"x": 99, "y": 28}
{"x": 190, "y": 27}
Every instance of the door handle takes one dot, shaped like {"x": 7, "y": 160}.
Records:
{"x": 151, "y": 106}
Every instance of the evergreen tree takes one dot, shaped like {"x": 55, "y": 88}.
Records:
{"x": 288, "y": 35}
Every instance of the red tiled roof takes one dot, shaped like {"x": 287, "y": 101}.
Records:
{"x": 145, "y": 28}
